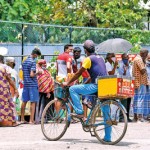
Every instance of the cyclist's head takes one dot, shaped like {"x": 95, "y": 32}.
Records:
{"x": 89, "y": 46}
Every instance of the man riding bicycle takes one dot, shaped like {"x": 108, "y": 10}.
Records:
{"x": 95, "y": 65}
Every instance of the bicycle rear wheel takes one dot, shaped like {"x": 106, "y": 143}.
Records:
{"x": 54, "y": 121}
{"x": 106, "y": 121}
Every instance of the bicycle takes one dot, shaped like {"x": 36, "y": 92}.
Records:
{"x": 54, "y": 121}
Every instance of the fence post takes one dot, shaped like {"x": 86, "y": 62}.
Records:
{"x": 22, "y": 41}
{"x": 148, "y": 15}
{"x": 70, "y": 34}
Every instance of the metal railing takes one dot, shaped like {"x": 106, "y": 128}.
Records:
{"x": 45, "y": 34}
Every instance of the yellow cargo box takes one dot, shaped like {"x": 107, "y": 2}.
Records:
{"x": 114, "y": 86}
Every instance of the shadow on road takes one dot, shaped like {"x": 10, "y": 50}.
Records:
{"x": 95, "y": 141}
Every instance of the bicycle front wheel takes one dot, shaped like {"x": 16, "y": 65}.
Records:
{"x": 108, "y": 128}
{"x": 54, "y": 121}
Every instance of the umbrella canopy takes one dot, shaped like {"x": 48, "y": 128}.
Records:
{"x": 116, "y": 45}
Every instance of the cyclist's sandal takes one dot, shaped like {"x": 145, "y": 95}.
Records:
{"x": 106, "y": 140}
{"x": 87, "y": 103}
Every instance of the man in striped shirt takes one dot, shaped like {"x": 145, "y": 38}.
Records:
{"x": 30, "y": 91}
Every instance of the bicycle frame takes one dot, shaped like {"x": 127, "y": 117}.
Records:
{"x": 74, "y": 108}
{"x": 104, "y": 122}
{"x": 98, "y": 102}
{"x": 102, "y": 117}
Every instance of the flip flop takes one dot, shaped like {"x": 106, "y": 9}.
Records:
{"x": 32, "y": 123}
{"x": 17, "y": 124}
{"x": 24, "y": 122}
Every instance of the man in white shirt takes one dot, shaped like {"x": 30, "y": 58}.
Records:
{"x": 125, "y": 69}
{"x": 111, "y": 64}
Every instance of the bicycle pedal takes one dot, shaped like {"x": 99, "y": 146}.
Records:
{"x": 109, "y": 122}
{"x": 93, "y": 135}
{"x": 73, "y": 115}
{"x": 86, "y": 125}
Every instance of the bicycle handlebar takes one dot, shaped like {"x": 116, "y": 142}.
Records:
{"x": 57, "y": 82}
{"x": 60, "y": 84}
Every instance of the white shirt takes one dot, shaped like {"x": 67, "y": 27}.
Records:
{"x": 109, "y": 67}
{"x": 121, "y": 69}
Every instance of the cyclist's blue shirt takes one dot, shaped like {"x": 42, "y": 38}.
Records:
{"x": 95, "y": 65}
{"x": 29, "y": 65}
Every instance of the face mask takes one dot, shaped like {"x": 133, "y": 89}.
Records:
{"x": 71, "y": 53}
{"x": 35, "y": 59}
{"x": 125, "y": 61}
{"x": 113, "y": 59}
{"x": 44, "y": 68}
{"x": 39, "y": 57}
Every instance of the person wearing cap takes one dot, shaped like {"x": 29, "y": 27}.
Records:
{"x": 96, "y": 67}
{"x": 30, "y": 90}
{"x": 46, "y": 88}
{"x": 10, "y": 61}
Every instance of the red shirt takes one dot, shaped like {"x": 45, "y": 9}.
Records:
{"x": 62, "y": 60}
{"x": 65, "y": 56}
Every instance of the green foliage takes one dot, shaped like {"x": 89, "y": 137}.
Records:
{"x": 94, "y": 13}
{"x": 136, "y": 48}
{"x": 52, "y": 66}
{"x": 11, "y": 32}
{"x": 54, "y": 58}
{"x": 124, "y": 17}
{"x": 145, "y": 1}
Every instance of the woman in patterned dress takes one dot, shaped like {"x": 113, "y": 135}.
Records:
{"x": 7, "y": 117}
{"x": 46, "y": 88}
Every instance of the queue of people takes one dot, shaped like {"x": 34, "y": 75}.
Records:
{"x": 38, "y": 84}
{"x": 139, "y": 69}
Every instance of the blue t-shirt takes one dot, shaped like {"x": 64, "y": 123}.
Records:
{"x": 29, "y": 65}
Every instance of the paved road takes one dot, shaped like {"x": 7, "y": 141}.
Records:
{"x": 30, "y": 137}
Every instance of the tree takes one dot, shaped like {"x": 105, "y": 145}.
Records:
{"x": 145, "y": 1}
{"x": 119, "y": 15}
{"x": 93, "y": 13}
